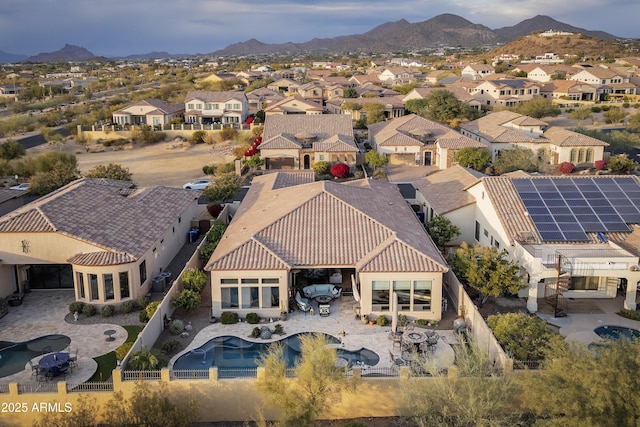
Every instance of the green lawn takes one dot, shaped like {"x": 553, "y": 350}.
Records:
{"x": 107, "y": 362}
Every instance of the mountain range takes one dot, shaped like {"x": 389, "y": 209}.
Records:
{"x": 402, "y": 35}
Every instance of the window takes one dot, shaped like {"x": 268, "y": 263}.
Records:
{"x": 250, "y": 297}
{"x": 208, "y": 106}
{"x": 421, "y": 295}
{"x": 403, "y": 291}
{"x": 229, "y": 297}
{"x": 228, "y": 281}
{"x": 486, "y": 233}
{"x": 380, "y": 295}
{"x": 143, "y": 272}
{"x": 199, "y": 106}
{"x": 93, "y": 283}
{"x": 190, "y": 106}
{"x": 108, "y": 286}
{"x": 581, "y": 155}
{"x": 589, "y": 157}
{"x": 584, "y": 283}
{"x": 477, "y": 232}
{"x": 270, "y": 296}
{"x": 123, "y": 278}
{"x": 249, "y": 281}
{"x": 574, "y": 156}
{"x": 80, "y": 284}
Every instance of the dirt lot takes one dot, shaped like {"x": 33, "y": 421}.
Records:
{"x": 169, "y": 164}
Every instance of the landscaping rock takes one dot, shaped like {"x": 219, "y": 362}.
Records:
{"x": 265, "y": 333}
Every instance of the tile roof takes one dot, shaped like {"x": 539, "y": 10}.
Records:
{"x": 326, "y": 224}
{"x": 328, "y": 131}
{"x": 104, "y": 213}
{"x": 287, "y": 104}
{"x": 445, "y": 189}
{"x": 161, "y": 106}
{"x": 214, "y": 96}
{"x": 8, "y": 194}
{"x": 566, "y": 138}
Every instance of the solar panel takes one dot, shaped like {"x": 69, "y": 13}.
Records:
{"x": 565, "y": 209}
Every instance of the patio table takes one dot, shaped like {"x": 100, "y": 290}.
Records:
{"x": 110, "y": 333}
{"x": 54, "y": 362}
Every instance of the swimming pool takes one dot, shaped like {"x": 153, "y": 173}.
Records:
{"x": 617, "y": 332}
{"x": 230, "y": 352}
{"x": 14, "y": 356}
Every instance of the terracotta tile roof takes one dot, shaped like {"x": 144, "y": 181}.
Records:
{"x": 335, "y": 143}
{"x": 400, "y": 254}
{"x": 566, "y": 138}
{"x": 287, "y": 104}
{"x": 101, "y": 258}
{"x": 280, "y": 130}
{"x": 445, "y": 189}
{"x": 408, "y": 126}
{"x": 455, "y": 141}
{"x": 325, "y": 224}
{"x": 104, "y": 213}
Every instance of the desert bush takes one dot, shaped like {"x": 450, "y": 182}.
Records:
{"x": 127, "y": 307}
{"x": 228, "y": 133}
{"x": 566, "y": 168}
{"x": 76, "y": 306}
{"x": 382, "y": 320}
{"x": 253, "y": 318}
{"x": 142, "y": 302}
{"x": 121, "y": 351}
{"x": 225, "y": 168}
{"x": 151, "y": 308}
{"x": 143, "y": 317}
{"x": 170, "y": 345}
{"x": 229, "y": 318}
{"x": 595, "y": 109}
{"x": 379, "y": 174}
{"x": 278, "y": 329}
{"x": 107, "y": 310}
{"x": 176, "y": 326}
{"x": 255, "y": 332}
{"x": 88, "y": 310}
{"x": 599, "y": 164}
{"x": 197, "y": 137}
{"x": 187, "y": 299}
{"x": 194, "y": 280}
{"x": 321, "y": 167}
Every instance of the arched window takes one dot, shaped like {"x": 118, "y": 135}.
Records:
{"x": 581, "y": 155}
{"x": 573, "y": 156}
{"x": 589, "y": 158}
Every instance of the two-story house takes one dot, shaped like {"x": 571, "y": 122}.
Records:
{"x": 477, "y": 71}
{"x": 505, "y": 92}
{"x": 152, "y": 112}
{"x": 207, "y": 107}
{"x": 607, "y": 81}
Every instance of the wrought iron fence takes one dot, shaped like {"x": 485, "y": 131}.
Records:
{"x": 38, "y": 387}
{"x": 4, "y": 388}
{"x": 140, "y": 375}
{"x": 370, "y": 372}
{"x": 90, "y": 387}
{"x": 190, "y": 374}
{"x": 526, "y": 364}
{"x": 227, "y": 373}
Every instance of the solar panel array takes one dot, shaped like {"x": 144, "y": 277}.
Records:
{"x": 566, "y": 209}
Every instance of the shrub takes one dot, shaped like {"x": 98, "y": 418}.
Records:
{"x": 107, "y": 310}
{"x": 197, "y": 137}
{"x": 194, "y": 279}
{"x": 187, "y": 299}
{"x": 214, "y": 209}
{"x": 422, "y": 322}
{"x": 229, "y": 318}
{"x": 151, "y": 308}
{"x": 629, "y": 314}
{"x": 339, "y": 170}
{"x": 209, "y": 169}
{"x": 121, "y": 352}
{"x": 170, "y": 345}
{"x": 176, "y": 326}
{"x": 76, "y": 306}
{"x": 566, "y": 168}
{"x": 278, "y": 329}
{"x": 142, "y": 302}
{"x": 402, "y": 320}
{"x": 143, "y": 317}
{"x": 253, "y": 318}
{"x": 127, "y": 307}
{"x": 382, "y": 320}
{"x": 599, "y": 164}
{"x": 595, "y": 109}
{"x": 354, "y": 424}
{"x": 379, "y": 174}
{"x": 88, "y": 310}
{"x": 228, "y": 133}
{"x": 321, "y": 167}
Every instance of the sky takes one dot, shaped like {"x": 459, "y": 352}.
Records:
{"x": 124, "y": 27}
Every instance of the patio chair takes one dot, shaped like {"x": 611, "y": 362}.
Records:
{"x": 34, "y": 368}
{"x": 303, "y": 303}
{"x": 396, "y": 361}
{"x": 73, "y": 358}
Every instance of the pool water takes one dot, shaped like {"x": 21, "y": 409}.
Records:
{"x": 229, "y": 352}
{"x": 617, "y": 332}
{"x": 14, "y": 356}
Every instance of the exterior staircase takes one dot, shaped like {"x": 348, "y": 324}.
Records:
{"x": 553, "y": 292}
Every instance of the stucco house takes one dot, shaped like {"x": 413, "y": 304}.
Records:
{"x": 573, "y": 236}
{"x": 504, "y": 130}
{"x": 477, "y": 71}
{"x": 607, "y": 81}
{"x": 152, "y": 112}
{"x": 297, "y": 141}
{"x": 505, "y": 92}
{"x": 414, "y": 140}
{"x": 292, "y": 105}
{"x": 206, "y": 107}
{"x": 290, "y": 231}
{"x": 569, "y": 90}
{"x": 260, "y": 98}
{"x": 103, "y": 238}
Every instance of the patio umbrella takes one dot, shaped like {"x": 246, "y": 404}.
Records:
{"x": 394, "y": 316}
{"x": 354, "y": 287}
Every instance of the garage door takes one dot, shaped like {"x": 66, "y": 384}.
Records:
{"x": 280, "y": 163}
{"x": 402, "y": 159}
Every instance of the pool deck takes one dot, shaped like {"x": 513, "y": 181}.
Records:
{"x": 43, "y": 313}
{"x": 341, "y": 318}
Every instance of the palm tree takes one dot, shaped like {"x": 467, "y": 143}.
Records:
{"x": 147, "y": 359}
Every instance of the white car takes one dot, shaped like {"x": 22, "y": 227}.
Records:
{"x": 24, "y": 186}
{"x": 199, "y": 184}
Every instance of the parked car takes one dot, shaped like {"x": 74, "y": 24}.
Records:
{"x": 24, "y": 186}
{"x": 199, "y": 184}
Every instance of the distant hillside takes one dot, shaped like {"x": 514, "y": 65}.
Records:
{"x": 69, "y": 53}
{"x": 544, "y": 23}
{"x": 534, "y": 45}
{"x": 6, "y": 57}
{"x": 442, "y": 30}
